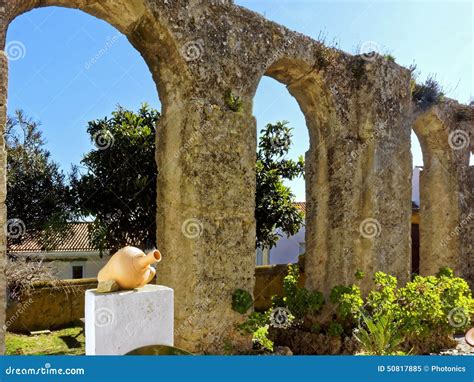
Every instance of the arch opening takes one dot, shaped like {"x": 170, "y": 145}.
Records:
{"x": 65, "y": 92}
{"x": 309, "y": 109}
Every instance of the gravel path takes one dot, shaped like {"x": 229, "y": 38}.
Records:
{"x": 462, "y": 348}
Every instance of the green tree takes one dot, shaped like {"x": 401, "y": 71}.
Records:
{"x": 118, "y": 188}
{"x": 38, "y": 197}
{"x": 274, "y": 201}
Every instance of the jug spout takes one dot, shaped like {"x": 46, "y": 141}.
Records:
{"x": 150, "y": 258}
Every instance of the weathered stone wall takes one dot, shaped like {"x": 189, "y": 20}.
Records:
{"x": 207, "y": 59}
{"x": 445, "y": 132}
{"x": 467, "y": 232}
{"x": 48, "y": 306}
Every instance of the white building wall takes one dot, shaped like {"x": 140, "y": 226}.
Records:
{"x": 288, "y": 249}
{"x": 415, "y": 190}
{"x": 63, "y": 262}
{"x": 90, "y": 267}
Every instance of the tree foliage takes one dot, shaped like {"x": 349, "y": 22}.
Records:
{"x": 37, "y": 191}
{"x": 275, "y": 207}
{"x": 118, "y": 188}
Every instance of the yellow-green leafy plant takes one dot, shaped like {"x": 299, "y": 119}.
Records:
{"x": 378, "y": 336}
{"x": 298, "y": 300}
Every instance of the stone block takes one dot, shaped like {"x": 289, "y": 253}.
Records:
{"x": 119, "y": 322}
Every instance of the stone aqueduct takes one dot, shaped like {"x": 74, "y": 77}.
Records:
{"x": 359, "y": 115}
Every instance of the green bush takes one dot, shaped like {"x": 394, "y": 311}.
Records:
{"x": 260, "y": 336}
{"x": 378, "y": 336}
{"x": 299, "y": 301}
{"x": 427, "y": 94}
{"x": 253, "y": 322}
{"x": 335, "y": 329}
{"x": 241, "y": 301}
{"x": 431, "y": 306}
{"x": 416, "y": 316}
{"x": 348, "y": 300}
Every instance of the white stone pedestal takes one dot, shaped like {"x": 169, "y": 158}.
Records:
{"x": 122, "y": 321}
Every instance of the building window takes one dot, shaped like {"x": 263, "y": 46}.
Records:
{"x": 77, "y": 271}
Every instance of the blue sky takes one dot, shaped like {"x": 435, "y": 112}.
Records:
{"x": 55, "y": 80}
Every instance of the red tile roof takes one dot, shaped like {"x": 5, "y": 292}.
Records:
{"x": 76, "y": 238}
{"x": 301, "y": 206}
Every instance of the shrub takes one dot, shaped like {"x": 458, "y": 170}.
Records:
{"x": 378, "y": 336}
{"x": 425, "y": 307}
{"x": 260, "y": 336}
{"x": 335, "y": 329}
{"x": 241, "y": 301}
{"x": 253, "y": 322}
{"x": 299, "y": 301}
{"x": 382, "y": 299}
{"x": 348, "y": 300}
{"x": 21, "y": 274}
{"x": 427, "y": 94}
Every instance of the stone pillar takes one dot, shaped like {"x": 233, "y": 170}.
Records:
{"x": 3, "y": 183}
{"x": 444, "y": 134}
{"x": 439, "y": 217}
{"x": 206, "y": 230}
{"x": 358, "y": 180}
{"x": 467, "y": 232}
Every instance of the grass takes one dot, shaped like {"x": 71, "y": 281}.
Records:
{"x": 69, "y": 341}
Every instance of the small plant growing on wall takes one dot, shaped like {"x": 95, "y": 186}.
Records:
{"x": 427, "y": 94}
{"x": 233, "y": 102}
{"x": 241, "y": 301}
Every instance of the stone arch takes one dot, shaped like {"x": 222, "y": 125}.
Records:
{"x": 206, "y": 154}
{"x": 338, "y": 94}
{"x": 307, "y": 86}
{"x": 148, "y": 32}
{"x": 445, "y": 133}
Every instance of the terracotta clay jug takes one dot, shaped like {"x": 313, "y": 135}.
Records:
{"x": 130, "y": 268}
